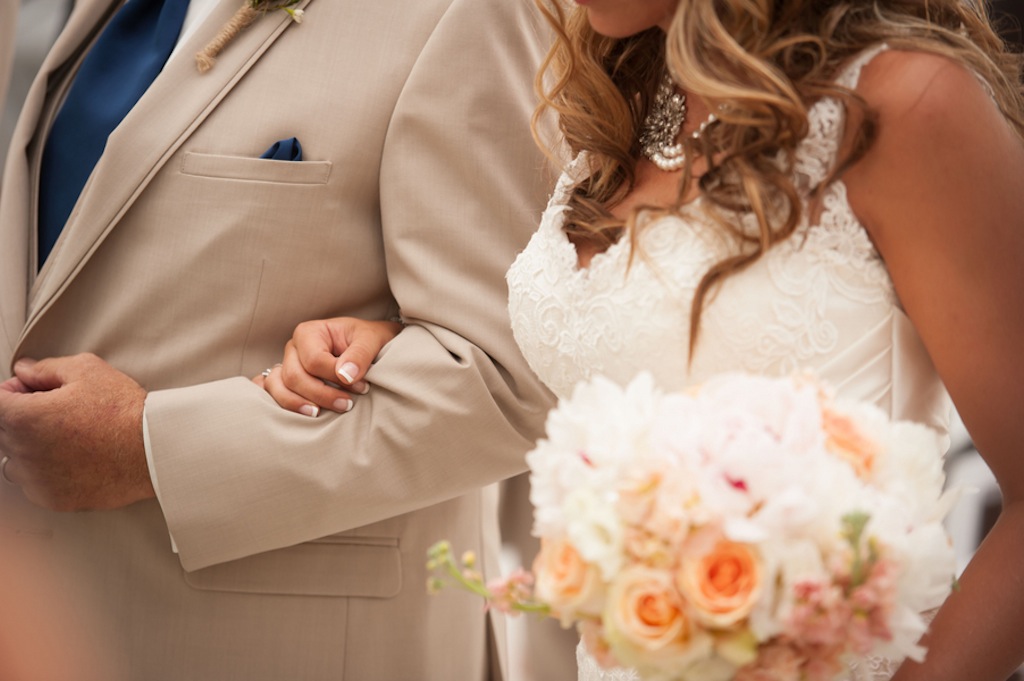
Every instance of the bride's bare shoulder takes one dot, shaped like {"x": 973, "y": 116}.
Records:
{"x": 937, "y": 125}
{"x": 912, "y": 88}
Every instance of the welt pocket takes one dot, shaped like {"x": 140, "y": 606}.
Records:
{"x": 338, "y": 565}
{"x": 355, "y": 540}
{"x": 246, "y": 169}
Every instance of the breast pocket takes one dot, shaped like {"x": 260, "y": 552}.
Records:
{"x": 255, "y": 169}
{"x": 281, "y": 241}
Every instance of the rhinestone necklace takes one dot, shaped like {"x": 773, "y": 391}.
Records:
{"x": 661, "y": 127}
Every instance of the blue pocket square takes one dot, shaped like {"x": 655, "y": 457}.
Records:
{"x": 284, "y": 150}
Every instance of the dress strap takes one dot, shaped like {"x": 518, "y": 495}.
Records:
{"x": 850, "y": 75}
{"x": 826, "y": 119}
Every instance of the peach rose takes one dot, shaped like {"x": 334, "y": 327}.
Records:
{"x": 722, "y": 585}
{"x": 566, "y": 582}
{"x": 646, "y": 623}
{"x": 846, "y": 441}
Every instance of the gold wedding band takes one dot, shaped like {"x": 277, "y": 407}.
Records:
{"x": 3, "y": 470}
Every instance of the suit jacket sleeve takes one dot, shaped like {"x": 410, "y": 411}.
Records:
{"x": 453, "y": 405}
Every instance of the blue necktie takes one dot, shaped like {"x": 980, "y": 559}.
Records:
{"x": 128, "y": 55}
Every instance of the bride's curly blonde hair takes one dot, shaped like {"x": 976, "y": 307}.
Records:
{"x": 759, "y": 64}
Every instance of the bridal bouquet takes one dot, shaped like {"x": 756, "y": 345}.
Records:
{"x": 753, "y": 529}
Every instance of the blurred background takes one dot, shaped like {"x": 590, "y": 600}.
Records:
{"x": 38, "y": 22}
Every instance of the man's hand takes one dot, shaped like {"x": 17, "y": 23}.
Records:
{"x": 72, "y": 427}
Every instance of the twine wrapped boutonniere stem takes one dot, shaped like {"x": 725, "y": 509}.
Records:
{"x": 249, "y": 12}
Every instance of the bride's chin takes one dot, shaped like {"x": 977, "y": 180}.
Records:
{"x": 610, "y": 23}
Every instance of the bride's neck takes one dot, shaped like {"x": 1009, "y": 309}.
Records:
{"x": 653, "y": 187}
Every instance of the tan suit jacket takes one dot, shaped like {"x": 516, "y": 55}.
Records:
{"x": 188, "y": 261}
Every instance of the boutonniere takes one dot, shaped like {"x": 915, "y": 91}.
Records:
{"x": 248, "y": 13}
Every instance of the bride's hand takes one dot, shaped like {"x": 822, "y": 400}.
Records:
{"x": 324, "y": 364}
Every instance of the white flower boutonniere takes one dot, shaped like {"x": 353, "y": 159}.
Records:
{"x": 246, "y": 15}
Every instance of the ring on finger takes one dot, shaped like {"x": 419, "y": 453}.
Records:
{"x": 3, "y": 470}
{"x": 266, "y": 372}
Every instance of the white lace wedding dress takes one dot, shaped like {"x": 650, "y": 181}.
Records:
{"x": 820, "y": 300}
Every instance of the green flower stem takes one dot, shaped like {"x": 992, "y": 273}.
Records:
{"x": 472, "y": 585}
{"x": 440, "y": 558}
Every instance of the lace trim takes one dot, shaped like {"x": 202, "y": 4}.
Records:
{"x": 589, "y": 670}
{"x": 826, "y": 120}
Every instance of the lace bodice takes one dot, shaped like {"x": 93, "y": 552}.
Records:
{"x": 820, "y": 300}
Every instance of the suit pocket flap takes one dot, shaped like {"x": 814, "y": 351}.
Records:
{"x": 255, "y": 169}
{"x": 367, "y": 567}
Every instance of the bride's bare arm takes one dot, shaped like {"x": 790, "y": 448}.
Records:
{"x": 941, "y": 192}
{"x": 325, "y": 362}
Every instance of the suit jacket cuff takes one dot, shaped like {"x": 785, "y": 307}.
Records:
{"x": 147, "y": 443}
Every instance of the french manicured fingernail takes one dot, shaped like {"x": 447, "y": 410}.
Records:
{"x": 360, "y": 387}
{"x": 342, "y": 405}
{"x": 310, "y": 410}
{"x": 348, "y": 371}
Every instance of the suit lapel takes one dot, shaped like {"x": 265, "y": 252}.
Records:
{"x": 173, "y": 107}
{"x": 16, "y": 209}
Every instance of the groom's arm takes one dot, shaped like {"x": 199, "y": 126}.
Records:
{"x": 453, "y": 404}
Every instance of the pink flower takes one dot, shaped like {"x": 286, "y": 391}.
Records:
{"x": 777, "y": 661}
{"x": 506, "y": 592}
{"x": 787, "y": 660}
{"x": 872, "y": 603}
{"x": 824, "y": 663}
{"x": 820, "y": 614}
